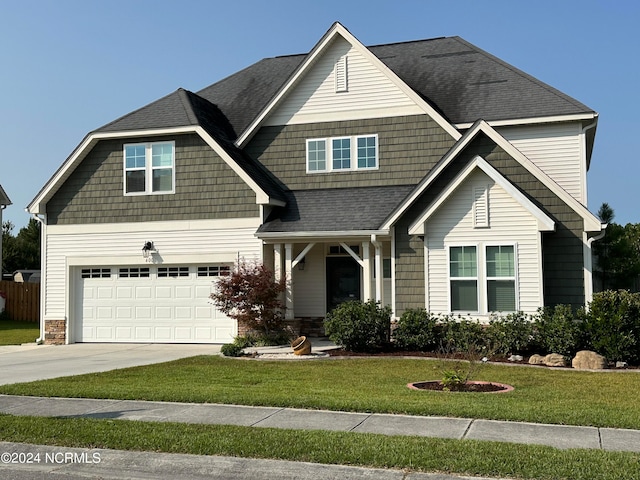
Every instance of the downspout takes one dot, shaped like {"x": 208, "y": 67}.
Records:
{"x": 589, "y": 261}
{"x": 43, "y": 273}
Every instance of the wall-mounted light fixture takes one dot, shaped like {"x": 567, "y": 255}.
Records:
{"x": 302, "y": 263}
{"x": 148, "y": 249}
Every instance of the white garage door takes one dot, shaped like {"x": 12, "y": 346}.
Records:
{"x": 157, "y": 304}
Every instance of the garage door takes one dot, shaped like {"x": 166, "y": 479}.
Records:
{"x": 159, "y": 304}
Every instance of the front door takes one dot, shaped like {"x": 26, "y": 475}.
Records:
{"x": 343, "y": 281}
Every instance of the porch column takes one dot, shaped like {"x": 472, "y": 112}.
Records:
{"x": 288, "y": 271}
{"x": 366, "y": 272}
{"x": 379, "y": 271}
{"x": 277, "y": 261}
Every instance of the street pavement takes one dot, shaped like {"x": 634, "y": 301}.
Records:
{"x": 82, "y": 358}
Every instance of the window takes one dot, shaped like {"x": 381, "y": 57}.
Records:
{"x": 463, "y": 272}
{"x": 214, "y": 271}
{"x": 133, "y": 272}
{"x": 501, "y": 279}
{"x": 149, "y": 168}
{"x": 164, "y": 272}
{"x": 96, "y": 273}
{"x": 342, "y": 154}
{"x": 483, "y": 279}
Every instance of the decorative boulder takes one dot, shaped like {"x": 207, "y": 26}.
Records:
{"x": 588, "y": 360}
{"x": 536, "y": 360}
{"x": 555, "y": 360}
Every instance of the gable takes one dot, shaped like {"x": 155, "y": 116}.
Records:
{"x": 342, "y": 85}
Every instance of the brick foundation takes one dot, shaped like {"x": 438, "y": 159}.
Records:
{"x": 308, "y": 326}
{"x": 54, "y": 332}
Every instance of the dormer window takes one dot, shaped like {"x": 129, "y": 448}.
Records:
{"x": 149, "y": 168}
{"x": 342, "y": 154}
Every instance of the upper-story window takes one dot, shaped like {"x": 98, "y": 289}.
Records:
{"x": 149, "y": 168}
{"x": 339, "y": 154}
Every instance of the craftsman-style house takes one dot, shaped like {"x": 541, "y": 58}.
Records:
{"x": 419, "y": 174}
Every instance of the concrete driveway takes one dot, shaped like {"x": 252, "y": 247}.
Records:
{"x": 26, "y": 363}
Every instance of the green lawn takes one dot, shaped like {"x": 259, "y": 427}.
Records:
{"x": 16, "y": 333}
{"x": 607, "y": 399}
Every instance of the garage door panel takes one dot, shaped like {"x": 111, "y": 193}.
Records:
{"x": 154, "y": 304}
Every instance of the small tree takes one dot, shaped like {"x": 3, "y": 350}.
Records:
{"x": 252, "y": 296}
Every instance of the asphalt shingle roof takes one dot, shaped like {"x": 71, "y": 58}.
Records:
{"x": 336, "y": 209}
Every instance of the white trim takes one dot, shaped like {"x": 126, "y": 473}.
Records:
{"x": 338, "y": 30}
{"x": 38, "y": 204}
{"x": 545, "y": 223}
{"x": 532, "y": 120}
{"x": 353, "y": 154}
{"x": 321, "y": 234}
{"x": 591, "y": 223}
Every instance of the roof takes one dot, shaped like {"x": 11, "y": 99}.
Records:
{"x": 323, "y": 210}
{"x": 461, "y": 81}
{"x": 4, "y": 198}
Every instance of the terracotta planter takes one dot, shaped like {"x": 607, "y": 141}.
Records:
{"x": 301, "y": 346}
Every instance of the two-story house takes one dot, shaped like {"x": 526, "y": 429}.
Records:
{"x": 419, "y": 174}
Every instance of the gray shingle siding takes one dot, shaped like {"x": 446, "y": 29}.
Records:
{"x": 408, "y": 148}
{"x": 206, "y": 188}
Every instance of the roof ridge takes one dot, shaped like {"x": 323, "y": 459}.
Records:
{"x": 185, "y": 97}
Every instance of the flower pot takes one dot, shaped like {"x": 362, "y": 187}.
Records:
{"x": 301, "y": 346}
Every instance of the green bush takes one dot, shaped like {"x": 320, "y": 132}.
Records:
{"x": 558, "y": 329}
{"x": 510, "y": 334}
{"x": 416, "y": 330}
{"x": 358, "y": 326}
{"x": 462, "y": 335}
{"x": 231, "y": 350}
{"x": 612, "y": 325}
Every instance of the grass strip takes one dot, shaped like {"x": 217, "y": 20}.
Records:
{"x": 378, "y": 385}
{"x": 413, "y": 453}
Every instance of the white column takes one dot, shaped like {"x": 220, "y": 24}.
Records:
{"x": 366, "y": 272}
{"x": 288, "y": 271}
{"x": 277, "y": 261}
{"x": 379, "y": 273}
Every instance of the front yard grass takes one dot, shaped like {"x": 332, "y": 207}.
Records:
{"x": 16, "y": 333}
{"x": 602, "y": 399}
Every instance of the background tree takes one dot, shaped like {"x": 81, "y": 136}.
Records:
{"x": 21, "y": 252}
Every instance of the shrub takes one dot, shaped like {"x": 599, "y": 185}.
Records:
{"x": 462, "y": 335}
{"x": 358, "y": 326}
{"x": 416, "y": 330}
{"x": 231, "y": 350}
{"x": 612, "y": 325}
{"x": 510, "y": 334}
{"x": 558, "y": 329}
{"x": 252, "y": 296}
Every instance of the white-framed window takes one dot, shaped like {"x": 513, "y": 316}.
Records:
{"x": 463, "y": 278}
{"x": 149, "y": 168}
{"x": 483, "y": 278}
{"x": 501, "y": 278}
{"x": 340, "y": 154}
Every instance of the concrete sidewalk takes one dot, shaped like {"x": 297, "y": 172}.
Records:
{"x": 558, "y": 436}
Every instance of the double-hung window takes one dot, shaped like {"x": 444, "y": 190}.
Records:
{"x": 482, "y": 279}
{"x": 149, "y": 168}
{"x": 339, "y": 154}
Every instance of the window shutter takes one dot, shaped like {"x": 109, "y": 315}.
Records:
{"x": 481, "y": 206}
{"x": 341, "y": 74}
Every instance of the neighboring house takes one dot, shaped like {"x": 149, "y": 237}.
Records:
{"x": 419, "y": 174}
{"x": 4, "y": 203}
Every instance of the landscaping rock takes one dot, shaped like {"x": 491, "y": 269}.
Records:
{"x": 515, "y": 358}
{"x": 622, "y": 364}
{"x": 555, "y": 360}
{"x": 536, "y": 360}
{"x": 588, "y": 360}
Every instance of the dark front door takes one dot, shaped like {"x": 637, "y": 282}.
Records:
{"x": 343, "y": 281}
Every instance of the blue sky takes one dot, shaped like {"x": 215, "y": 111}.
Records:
{"x": 70, "y": 66}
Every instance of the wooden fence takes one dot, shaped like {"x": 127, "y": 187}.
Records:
{"x": 23, "y": 300}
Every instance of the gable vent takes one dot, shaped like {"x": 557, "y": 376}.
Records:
{"x": 341, "y": 74}
{"x": 481, "y": 206}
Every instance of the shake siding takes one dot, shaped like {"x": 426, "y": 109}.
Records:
{"x": 408, "y": 148}
{"x": 556, "y": 149}
{"x": 369, "y": 92}
{"x": 183, "y": 239}
{"x": 206, "y": 188}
